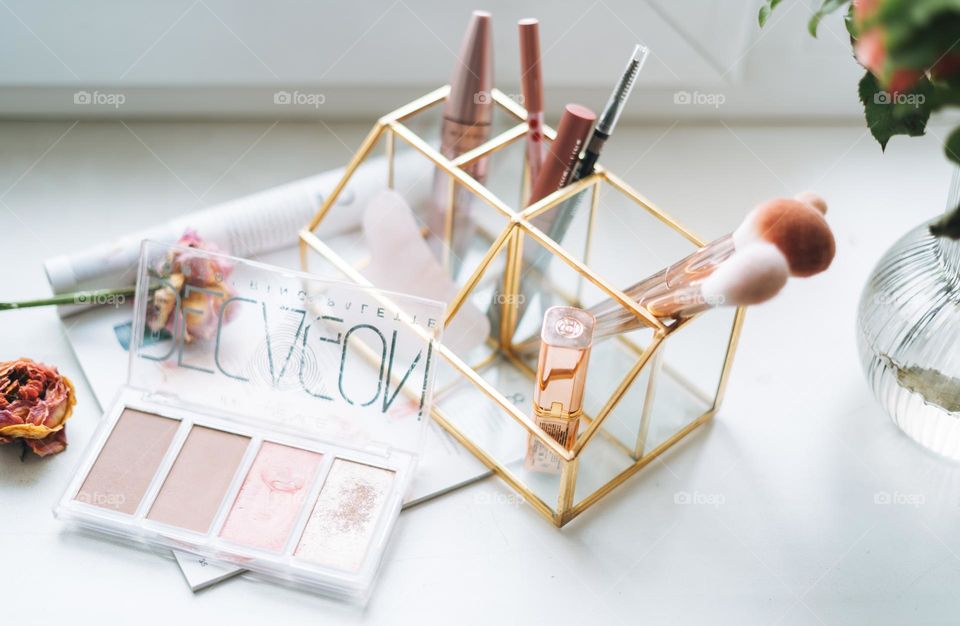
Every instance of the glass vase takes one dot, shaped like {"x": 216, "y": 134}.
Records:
{"x": 909, "y": 338}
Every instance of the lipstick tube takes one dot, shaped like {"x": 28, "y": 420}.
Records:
{"x": 562, "y": 156}
{"x": 565, "y": 341}
{"x": 554, "y": 173}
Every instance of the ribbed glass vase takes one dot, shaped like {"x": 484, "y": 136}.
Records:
{"x": 909, "y": 338}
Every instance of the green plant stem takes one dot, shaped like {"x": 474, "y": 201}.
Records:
{"x": 77, "y": 297}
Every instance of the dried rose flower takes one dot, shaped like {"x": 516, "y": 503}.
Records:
{"x": 201, "y": 310}
{"x": 199, "y": 270}
{"x": 35, "y": 403}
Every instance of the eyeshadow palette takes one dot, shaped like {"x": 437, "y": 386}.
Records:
{"x": 238, "y": 493}
{"x": 283, "y": 441}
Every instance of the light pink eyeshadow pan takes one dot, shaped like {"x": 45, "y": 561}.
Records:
{"x": 272, "y": 496}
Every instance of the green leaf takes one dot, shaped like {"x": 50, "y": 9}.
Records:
{"x": 766, "y": 10}
{"x": 903, "y": 20}
{"x": 924, "y": 46}
{"x": 828, "y": 7}
{"x": 764, "y": 15}
{"x": 946, "y": 92}
{"x": 952, "y": 146}
{"x": 887, "y": 118}
{"x": 948, "y": 225}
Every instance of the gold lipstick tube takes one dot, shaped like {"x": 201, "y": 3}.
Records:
{"x": 565, "y": 341}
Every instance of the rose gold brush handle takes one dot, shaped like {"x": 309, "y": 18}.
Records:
{"x": 694, "y": 267}
{"x": 660, "y": 304}
{"x": 680, "y": 303}
{"x": 753, "y": 275}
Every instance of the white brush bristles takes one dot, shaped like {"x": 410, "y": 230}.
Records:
{"x": 752, "y": 275}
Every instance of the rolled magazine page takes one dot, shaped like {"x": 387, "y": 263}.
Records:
{"x": 248, "y": 226}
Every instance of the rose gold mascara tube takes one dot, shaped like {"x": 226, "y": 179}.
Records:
{"x": 467, "y": 114}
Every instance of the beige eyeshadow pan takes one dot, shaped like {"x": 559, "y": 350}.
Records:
{"x": 199, "y": 479}
{"x": 128, "y": 461}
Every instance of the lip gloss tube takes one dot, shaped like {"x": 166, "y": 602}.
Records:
{"x": 531, "y": 85}
{"x": 565, "y": 341}
{"x": 555, "y": 172}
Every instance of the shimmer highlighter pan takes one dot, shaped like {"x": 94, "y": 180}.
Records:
{"x": 345, "y": 515}
{"x": 270, "y": 420}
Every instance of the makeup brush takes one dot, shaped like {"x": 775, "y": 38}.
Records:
{"x": 814, "y": 200}
{"x": 751, "y": 276}
{"x": 795, "y": 226}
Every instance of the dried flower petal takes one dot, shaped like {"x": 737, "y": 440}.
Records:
{"x": 198, "y": 269}
{"x": 51, "y": 444}
{"x": 163, "y": 302}
{"x": 35, "y": 403}
{"x": 199, "y": 309}
{"x": 202, "y": 313}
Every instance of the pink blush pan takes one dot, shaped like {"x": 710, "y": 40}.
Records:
{"x": 271, "y": 497}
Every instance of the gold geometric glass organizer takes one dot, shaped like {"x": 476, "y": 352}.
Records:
{"x": 645, "y": 390}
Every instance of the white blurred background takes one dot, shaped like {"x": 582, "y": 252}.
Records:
{"x": 227, "y": 58}
{"x": 726, "y": 115}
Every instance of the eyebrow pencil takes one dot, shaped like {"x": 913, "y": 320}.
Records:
{"x": 555, "y": 222}
{"x": 606, "y": 123}
{"x": 611, "y": 113}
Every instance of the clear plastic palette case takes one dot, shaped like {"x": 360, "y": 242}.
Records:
{"x": 270, "y": 419}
